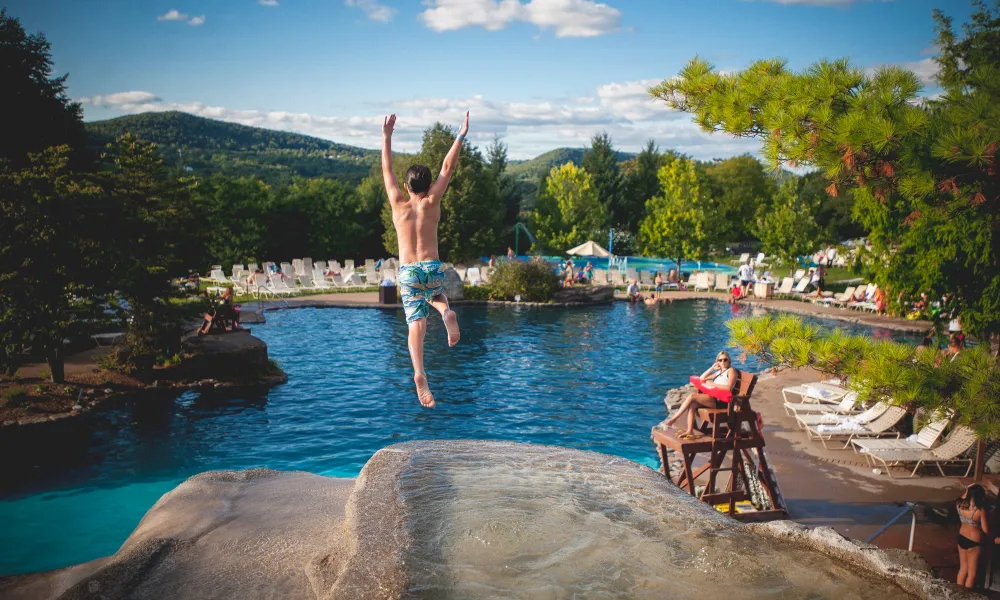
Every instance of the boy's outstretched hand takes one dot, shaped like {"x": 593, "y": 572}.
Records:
{"x": 391, "y": 120}
{"x": 465, "y": 126}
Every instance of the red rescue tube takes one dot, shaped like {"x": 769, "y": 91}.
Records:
{"x": 715, "y": 392}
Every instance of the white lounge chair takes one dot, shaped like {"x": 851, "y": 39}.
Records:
{"x": 842, "y": 298}
{"x": 950, "y": 452}
{"x": 600, "y": 277}
{"x": 349, "y": 264}
{"x": 371, "y": 275}
{"x": 616, "y": 278}
{"x": 923, "y": 440}
{"x": 462, "y": 271}
{"x": 870, "y": 414}
{"x": 701, "y": 282}
{"x": 745, "y": 257}
{"x": 474, "y": 276}
{"x": 849, "y": 430}
{"x": 816, "y": 392}
{"x": 252, "y": 267}
{"x": 847, "y": 406}
{"x": 722, "y": 282}
{"x": 760, "y": 260}
{"x": 631, "y": 274}
{"x": 799, "y": 274}
{"x": 278, "y": 286}
{"x": 646, "y": 280}
{"x": 785, "y": 289}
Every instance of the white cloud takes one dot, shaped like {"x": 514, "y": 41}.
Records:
{"x": 375, "y": 10}
{"x": 568, "y": 18}
{"x": 623, "y": 109}
{"x": 172, "y": 15}
{"x": 925, "y": 70}
{"x": 268, "y": 2}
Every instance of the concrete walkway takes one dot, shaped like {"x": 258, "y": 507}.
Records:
{"x": 370, "y": 300}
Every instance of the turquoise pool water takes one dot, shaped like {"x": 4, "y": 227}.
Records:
{"x": 590, "y": 378}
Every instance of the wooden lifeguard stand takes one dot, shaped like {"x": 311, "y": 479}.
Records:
{"x": 732, "y": 432}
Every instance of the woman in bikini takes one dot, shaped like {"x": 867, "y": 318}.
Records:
{"x": 971, "y": 511}
{"x": 720, "y": 376}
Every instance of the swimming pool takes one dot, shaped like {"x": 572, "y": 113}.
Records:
{"x": 588, "y": 378}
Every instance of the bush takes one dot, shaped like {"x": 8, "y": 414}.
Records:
{"x": 481, "y": 292}
{"x": 13, "y": 399}
{"x": 533, "y": 281}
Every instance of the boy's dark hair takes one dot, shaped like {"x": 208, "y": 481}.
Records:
{"x": 418, "y": 179}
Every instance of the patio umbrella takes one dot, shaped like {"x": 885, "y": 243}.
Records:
{"x": 590, "y": 248}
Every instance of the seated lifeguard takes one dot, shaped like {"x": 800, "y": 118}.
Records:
{"x": 715, "y": 390}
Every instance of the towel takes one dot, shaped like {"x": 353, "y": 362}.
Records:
{"x": 845, "y": 426}
{"x": 817, "y": 392}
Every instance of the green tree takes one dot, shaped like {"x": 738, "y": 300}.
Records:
{"x": 640, "y": 182}
{"x": 47, "y": 259}
{"x": 787, "y": 227}
{"x": 234, "y": 214}
{"x": 567, "y": 210}
{"x": 601, "y": 162}
{"x": 923, "y": 172}
{"x": 316, "y": 218}
{"x": 508, "y": 190}
{"x": 151, "y": 232}
{"x": 678, "y": 222}
{"x": 740, "y": 187}
{"x": 32, "y": 96}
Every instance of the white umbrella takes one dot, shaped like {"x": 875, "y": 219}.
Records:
{"x": 590, "y": 248}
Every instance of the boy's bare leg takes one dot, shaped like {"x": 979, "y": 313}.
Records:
{"x": 440, "y": 302}
{"x": 416, "y": 342}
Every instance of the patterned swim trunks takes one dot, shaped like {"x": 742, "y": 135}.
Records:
{"x": 418, "y": 283}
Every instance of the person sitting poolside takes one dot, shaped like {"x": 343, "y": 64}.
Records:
{"x": 588, "y": 271}
{"x": 736, "y": 294}
{"x": 720, "y": 376}
{"x": 633, "y": 292}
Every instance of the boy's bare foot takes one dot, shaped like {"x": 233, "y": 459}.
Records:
{"x": 423, "y": 391}
{"x": 451, "y": 324}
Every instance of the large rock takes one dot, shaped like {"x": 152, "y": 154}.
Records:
{"x": 453, "y": 286}
{"x": 471, "y": 519}
{"x": 235, "y": 353}
{"x": 589, "y": 294}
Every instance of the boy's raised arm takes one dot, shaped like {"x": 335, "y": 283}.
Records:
{"x": 450, "y": 162}
{"x": 388, "y": 175}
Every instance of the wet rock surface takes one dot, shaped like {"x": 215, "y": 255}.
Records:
{"x": 471, "y": 519}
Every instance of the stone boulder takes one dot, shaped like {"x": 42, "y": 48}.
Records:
{"x": 585, "y": 294}
{"x": 235, "y": 353}
{"x": 453, "y": 286}
{"x": 471, "y": 519}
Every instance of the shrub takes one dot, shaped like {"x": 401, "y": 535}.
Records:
{"x": 482, "y": 292}
{"x": 13, "y": 398}
{"x": 533, "y": 281}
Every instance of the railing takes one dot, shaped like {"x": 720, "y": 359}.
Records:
{"x": 909, "y": 508}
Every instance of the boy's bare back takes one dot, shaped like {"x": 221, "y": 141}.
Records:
{"x": 416, "y": 221}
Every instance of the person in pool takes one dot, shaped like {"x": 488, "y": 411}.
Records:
{"x": 415, "y": 215}
{"x": 975, "y": 527}
{"x": 720, "y": 375}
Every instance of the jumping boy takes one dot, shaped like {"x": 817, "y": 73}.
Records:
{"x": 415, "y": 216}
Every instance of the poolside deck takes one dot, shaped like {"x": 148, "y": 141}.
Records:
{"x": 837, "y": 488}
{"x": 370, "y": 300}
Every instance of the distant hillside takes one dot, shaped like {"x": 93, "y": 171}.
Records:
{"x": 532, "y": 169}
{"x": 209, "y": 146}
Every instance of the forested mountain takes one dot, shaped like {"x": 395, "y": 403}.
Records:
{"x": 543, "y": 163}
{"x": 208, "y": 146}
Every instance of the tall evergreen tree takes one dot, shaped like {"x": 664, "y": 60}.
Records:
{"x": 601, "y": 162}
{"x": 45, "y": 115}
{"x": 508, "y": 192}
{"x": 640, "y": 182}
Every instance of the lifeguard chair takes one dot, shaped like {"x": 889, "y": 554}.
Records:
{"x": 751, "y": 493}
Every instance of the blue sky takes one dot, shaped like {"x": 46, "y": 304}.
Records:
{"x": 541, "y": 73}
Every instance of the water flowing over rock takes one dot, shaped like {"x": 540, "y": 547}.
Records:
{"x": 471, "y": 519}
